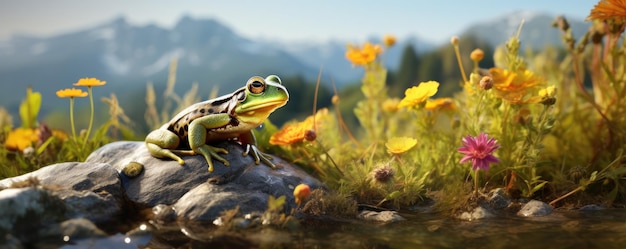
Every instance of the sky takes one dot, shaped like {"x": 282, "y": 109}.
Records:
{"x": 282, "y": 20}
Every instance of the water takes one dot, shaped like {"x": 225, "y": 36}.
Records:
{"x": 562, "y": 229}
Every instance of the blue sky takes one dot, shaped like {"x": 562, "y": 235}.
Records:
{"x": 434, "y": 20}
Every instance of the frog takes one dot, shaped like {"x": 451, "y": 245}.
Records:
{"x": 229, "y": 117}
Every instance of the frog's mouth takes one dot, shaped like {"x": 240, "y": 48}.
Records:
{"x": 264, "y": 108}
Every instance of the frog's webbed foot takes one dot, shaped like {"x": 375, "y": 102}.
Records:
{"x": 259, "y": 156}
{"x": 210, "y": 152}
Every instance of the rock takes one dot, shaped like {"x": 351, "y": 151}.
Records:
{"x": 197, "y": 194}
{"x": 476, "y": 214}
{"x": 498, "y": 199}
{"x": 73, "y": 229}
{"x": 535, "y": 208}
{"x": 23, "y": 210}
{"x": 382, "y": 216}
{"x": 591, "y": 207}
{"x": 94, "y": 177}
{"x": 97, "y": 207}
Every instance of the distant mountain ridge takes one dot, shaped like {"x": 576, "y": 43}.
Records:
{"x": 208, "y": 52}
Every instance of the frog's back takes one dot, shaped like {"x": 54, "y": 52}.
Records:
{"x": 180, "y": 123}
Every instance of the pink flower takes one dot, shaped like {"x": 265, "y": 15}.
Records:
{"x": 479, "y": 150}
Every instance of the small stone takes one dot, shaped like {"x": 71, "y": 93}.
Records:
{"x": 476, "y": 214}
{"x": 535, "y": 208}
{"x": 498, "y": 199}
{"x": 382, "y": 216}
{"x": 132, "y": 169}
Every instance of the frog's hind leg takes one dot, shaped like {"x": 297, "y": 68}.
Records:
{"x": 161, "y": 143}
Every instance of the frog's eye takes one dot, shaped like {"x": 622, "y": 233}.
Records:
{"x": 256, "y": 85}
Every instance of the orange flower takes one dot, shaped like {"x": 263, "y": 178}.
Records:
{"x": 90, "y": 82}
{"x": 71, "y": 93}
{"x": 515, "y": 87}
{"x": 607, "y": 9}
{"x": 301, "y": 192}
{"x": 362, "y": 56}
{"x": 389, "y": 40}
{"x": 293, "y": 133}
{"x": 21, "y": 138}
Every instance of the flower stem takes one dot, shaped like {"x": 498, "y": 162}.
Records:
{"x": 72, "y": 116}
{"x": 91, "y": 117}
{"x": 476, "y": 182}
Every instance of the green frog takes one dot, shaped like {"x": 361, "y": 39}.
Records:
{"x": 229, "y": 117}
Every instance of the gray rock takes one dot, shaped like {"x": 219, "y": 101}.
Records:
{"x": 95, "y": 177}
{"x": 476, "y": 214}
{"x": 498, "y": 199}
{"x": 535, "y": 208}
{"x": 197, "y": 194}
{"x": 97, "y": 207}
{"x": 73, "y": 229}
{"x": 24, "y": 209}
{"x": 382, "y": 216}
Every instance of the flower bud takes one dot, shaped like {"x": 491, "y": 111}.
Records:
{"x": 310, "y": 135}
{"x": 486, "y": 83}
{"x": 477, "y": 55}
{"x": 454, "y": 40}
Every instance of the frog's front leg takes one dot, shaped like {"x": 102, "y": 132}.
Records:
{"x": 198, "y": 136}
{"x": 249, "y": 141}
{"x": 161, "y": 142}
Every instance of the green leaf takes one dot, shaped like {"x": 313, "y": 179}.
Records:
{"x": 29, "y": 109}
{"x": 276, "y": 203}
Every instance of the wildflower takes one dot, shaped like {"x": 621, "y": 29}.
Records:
{"x": 548, "y": 95}
{"x": 399, "y": 145}
{"x": 444, "y": 104}
{"x": 301, "y": 193}
{"x": 71, "y": 93}
{"x": 477, "y": 55}
{"x": 486, "y": 83}
{"x": 389, "y": 40}
{"x": 90, "y": 82}
{"x": 418, "y": 94}
{"x": 514, "y": 87}
{"x": 21, "y": 138}
{"x": 391, "y": 105}
{"x": 297, "y": 132}
{"x": 383, "y": 174}
{"x": 479, "y": 150}
{"x": 607, "y": 9}
{"x": 363, "y": 56}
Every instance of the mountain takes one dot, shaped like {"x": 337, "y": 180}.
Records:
{"x": 127, "y": 57}
{"x": 537, "y": 31}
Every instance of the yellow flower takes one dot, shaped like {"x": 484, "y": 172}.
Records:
{"x": 296, "y": 132}
{"x": 444, "y": 104}
{"x": 391, "y": 105}
{"x": 389, "y": 40}
{"x": 71, "y": 93}
{"x": 607, "y": 9}
{"x": 399, "y": 145}
{"x": 301, "y": 193}
{"x": 418, "y": 94}
{"x": 515, "y": 87}
{"x": 362, "y": 56}
{"x": 21, "y": 138}
{"x": 90, "y": 82}
{"x": 548, "y": 92}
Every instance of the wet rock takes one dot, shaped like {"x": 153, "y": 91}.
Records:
{"x": 498, "y": 199}
{"x": 535, "y": 208}
{"x": 98, "y": 207}
{"x": 591, "y": 207}
{"x": 382, "y": 216}
{"x": 196, "y": 193}
{"x": 73, "y": 229}
{"x": 23, "y": 210}
{"x": 476, "y": 214}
